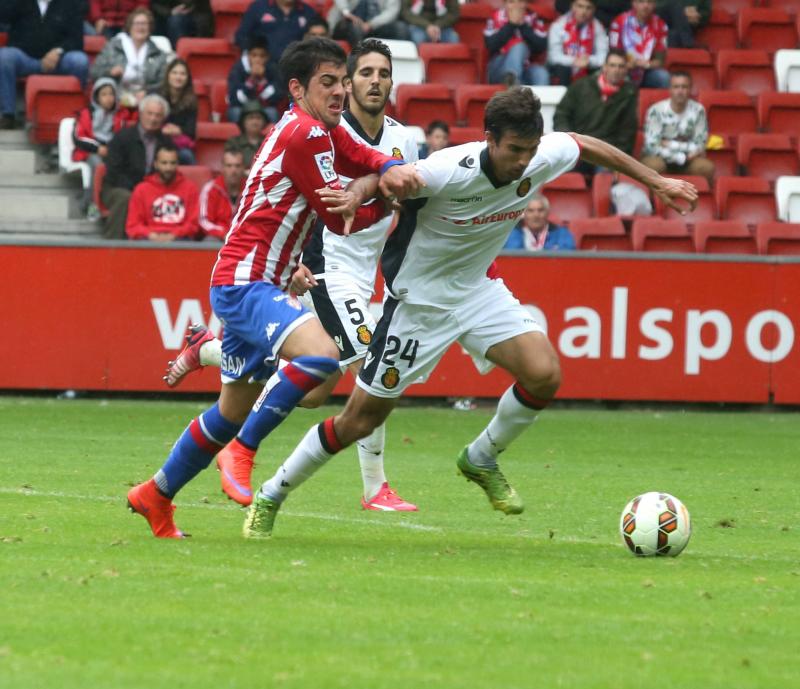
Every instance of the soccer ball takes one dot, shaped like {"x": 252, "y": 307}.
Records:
{"x": 655, "y": 524}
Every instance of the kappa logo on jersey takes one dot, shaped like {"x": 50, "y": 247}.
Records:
{"x": 467, "y": 162}
{"x": 364, "y": 334}
{"x": 325, "y": 166}
{"x": 391, "y": 378}
{"x": 271, "y": 328}
{"x": 315, "y": 132}
{"x": 396, "y": 152}
{"x": 169, "y": 208}
{"x": 524, "y": 187}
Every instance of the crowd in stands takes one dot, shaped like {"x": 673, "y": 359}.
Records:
{"x": 142, "y": 113}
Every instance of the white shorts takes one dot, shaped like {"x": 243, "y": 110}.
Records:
{"x": 411, "y": 339}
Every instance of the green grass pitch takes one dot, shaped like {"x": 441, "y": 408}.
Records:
{"x": 455, "y": 596}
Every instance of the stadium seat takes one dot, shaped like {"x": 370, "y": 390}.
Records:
{"x": 420, "y": 104}
{"x": 646, "y": 98}
{"x": 227, "y": 17}
{"x": 789, "y": 6}
{"x": 734, "y": 6}
{"x": 767, "y": 156}
{"x": 787, "y": 70}
{"x": 3, "y": 38}
{"x": 209, "y": 59}
{"x": 729, "y": 112}
{"x": 766, "y": 28}
{"x": 706, "y": 208}
{"x": 719, "y": 33}
{"x": 779, "y": 113}
{"x": 748, "y": 199}
{"x": 657, "y": 234}
{"x": 463, "y": 135}
{"x": 471, "y": 102}
{"x": 48, "y": 100}
{"x": 66, "y": 145}
{"x": 724, "y": 157}
{"x": 724, "y": 237}
{"x": 470, "y": 26}
{"x": 92, "y": 45}
{"x": 778, "y": 239}
{"x": 569, "y": 197}
{"x": 448, "y": 63}
{"x": 750, "y": 71}
{"x": 550, "y": 97}
{"x": 698, "y": 63}
{"x": 211, "y": 138}
{"x": 203, "y": 94}
{"x": 218, "y": 95}
{"x": 787, "y": 197}
{"x": 601, "y": 192}
{"x": 199, "y": 174}
{"x": 407, "y": 66}
{"x": 600, "y": 234}
{"x": 99, "y": 176}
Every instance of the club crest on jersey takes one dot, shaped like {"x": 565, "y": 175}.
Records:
{"x": 325, "y": 166}
{"x": 524, "y": 187}
{"x": 390, "y": 378}
{"x": 396, "y": 152}
{"x": 315, "y": 132}
{"x": 364, "y": 334}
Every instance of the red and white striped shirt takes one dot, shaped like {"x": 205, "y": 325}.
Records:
{"x": 279, "y": 204}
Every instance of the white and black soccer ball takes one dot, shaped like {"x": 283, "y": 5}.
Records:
{"x": 655, "y": 524}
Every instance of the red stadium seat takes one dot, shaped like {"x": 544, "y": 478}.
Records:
{"x": 750, "y": 71}
{"x": 470, "y": 26}
{"x": 209, "y": 59}
{"x": 49, "y": 99}
{"x": 600, "y": 234}
{"x": 471, "y": 102}
{"x": 601, "y": 192}
{"x": 227, "y": 17}
{"x": 569, "y": 197}
{"x": 203, "y": 101}
{"x": 767, "y": 156}
{"x": 766, "y": 29}
{"x": 420, "y": 104}
{"x": 789, "y": 6}
{"x": 734, "y": 6}
{"x": 3, "y": 38}
{"x": 706, "y": 208}
{"x": 199, "y": 174}
{"x": 747, "y": 199}
{"x": 211, "y": 138}
{"x": 646, "y": 98}
{"x": 698, "y": 63}
{"x": 779, "y": 113}
{"x": 92, "y": 45}
{"x": 778, "y": 238}
{"x": 724, "y": 237}
{"x": 448, "y": 63}
{"x": 219, "y": 100}
{"x": 729, "y": 112}
{"x": 656, "y": 234}
{"x": 463, "y": 135}
{"x": 724, "y": 158}
{"x": 719, "y": 33}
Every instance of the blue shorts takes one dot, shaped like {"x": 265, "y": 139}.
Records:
{"x": 258, "y": 318}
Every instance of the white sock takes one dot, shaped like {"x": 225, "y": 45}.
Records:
{"x": 370, "y": 457}
{"x": 211, "y": 353}
{"x": 510, "y": 420}
{"x": 307, "y": 457}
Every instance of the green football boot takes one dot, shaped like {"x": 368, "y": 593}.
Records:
{"x": 260, "y": 517}
{"x": 502, "y": 496}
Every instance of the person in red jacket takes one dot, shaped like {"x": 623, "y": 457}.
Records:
{"x": 220, "y": 196}
{"x": 164, "y": 205}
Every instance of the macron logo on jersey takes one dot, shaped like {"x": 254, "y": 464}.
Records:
{"x": 315, "y": 132}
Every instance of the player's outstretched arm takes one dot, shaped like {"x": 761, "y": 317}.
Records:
{"x": 670, "y": 191}
{"x": 401, "y": 182}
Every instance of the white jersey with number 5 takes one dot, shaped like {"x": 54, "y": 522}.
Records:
{"x": 447, "y": 237}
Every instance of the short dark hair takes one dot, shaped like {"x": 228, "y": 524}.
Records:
{"x": 318, "y": 21}
{"x": 166, "y": 146}
{"x": 516, "y": 110}
{"x": 365, "y": 47}
{"x": 619, "y": 52}
{"x": 258, "y": 41}
{"x": 232, "y": 148}
{"x": 302, "y": 58}
{"x": 437, "y": 124}
{"x": 680, "y": 73}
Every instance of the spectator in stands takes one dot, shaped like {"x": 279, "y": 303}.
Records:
{"x": 512, "y": 36}
{"x": 94, "y": 127}
{"x": 130, "y": 157}
{"x": 437, "y": 137}
{"x": 605, "y": 10}
{"x": 603, "y": 106}
{"x": 431, "y": 21}
{"x": 107, "y": 17}
{"x": 44, "y": 37}
{"x": 164, "y": 205}
{"x": 181, "y": 125}
{"x": 220, "y": 196}
{"x": 255, "y": 78}
{"x": 642, "y": 34}
{"x": 317, "y": 28}
{"x": 279, "y": 21}
{"x": 535, "y": 232}
{"x": 178, "y": 18}
{"x": 251, "y": 123}
{"x": 354, "y": 20}
{"x": 683, "y": 17}
{"x": 676, "y": 132}
{"x": 577, "y": 43}
{"x": 133, "y": 59}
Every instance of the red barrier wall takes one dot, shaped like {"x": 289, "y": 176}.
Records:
{"x": 627, "y": 328}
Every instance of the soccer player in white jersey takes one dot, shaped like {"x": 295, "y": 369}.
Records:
{"x": 435, "y": 266}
